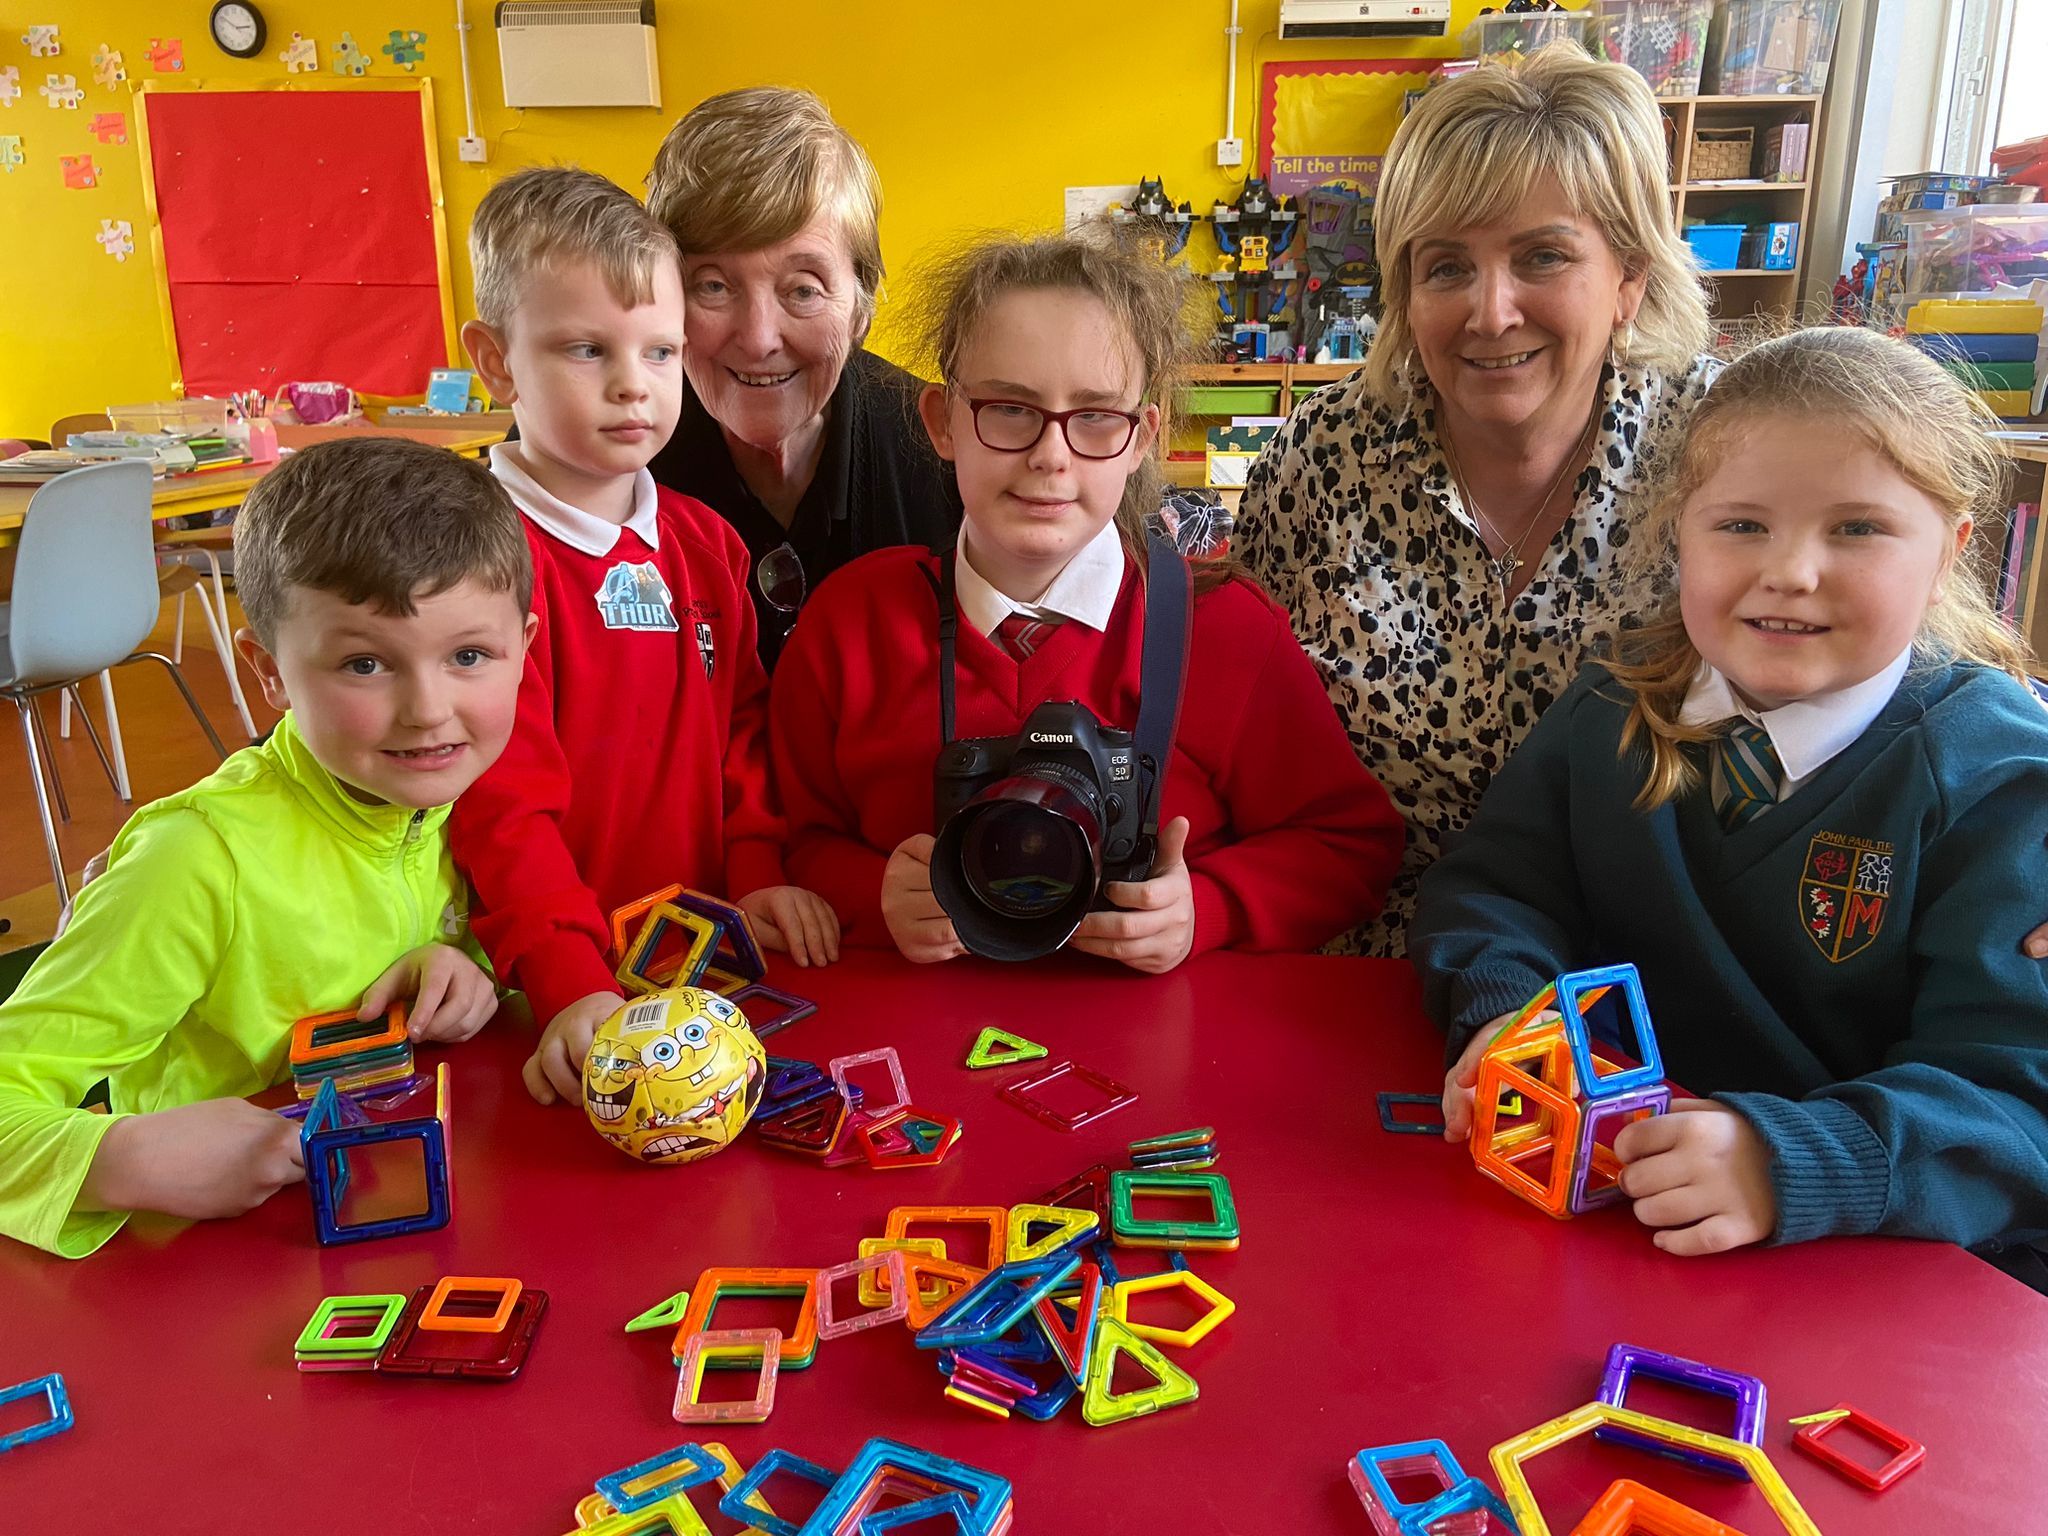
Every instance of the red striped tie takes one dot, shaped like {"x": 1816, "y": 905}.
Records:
{"x": 1020, "y": 634}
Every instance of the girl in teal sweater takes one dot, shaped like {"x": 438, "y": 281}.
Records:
{"x": 1808, "y": 798}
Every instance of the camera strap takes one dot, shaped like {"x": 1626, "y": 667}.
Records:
{"x": 1163, "y": 668}
{"x": 1163, "y": 664}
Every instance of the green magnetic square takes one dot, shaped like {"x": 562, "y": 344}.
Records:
{"x": 313, "y": 1342}
{"x": 790, "y": 1363}
{"x": 1177, "y": 1139}
{"x": 1221, "y": 1227}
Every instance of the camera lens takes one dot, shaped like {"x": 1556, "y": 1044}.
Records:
{"x": 1022, "y": 861}
{"x": 1017, "y": 867}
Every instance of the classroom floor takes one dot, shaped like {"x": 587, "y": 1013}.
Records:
{"x": 166, "y": 752}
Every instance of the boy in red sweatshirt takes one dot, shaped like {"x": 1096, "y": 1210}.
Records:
{"x": 640, "y": 754}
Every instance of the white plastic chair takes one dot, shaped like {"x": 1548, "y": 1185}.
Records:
{"x": 85, "y": 595}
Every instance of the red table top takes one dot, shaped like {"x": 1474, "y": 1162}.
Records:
{"x": 1385, "y": 1291}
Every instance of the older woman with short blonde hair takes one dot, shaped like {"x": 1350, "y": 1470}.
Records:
{"x": 805, "y": 442}
{"x": 1443, "y": 523}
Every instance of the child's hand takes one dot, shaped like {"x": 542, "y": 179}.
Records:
{"x": 916, "y": 921}
{"x": 219, "y": 1157}
{"x": 555, "y": 1069}
{"x": 1463, "y": 1078}
{"x": 1701, "y": 1168}
{"x": 801, "y": 923}
{"x": 1461, "y": 1081}
{"x": 451, "y": 996}
{"x": 1156, "y": 928}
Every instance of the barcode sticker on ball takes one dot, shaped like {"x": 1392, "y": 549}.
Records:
{"x": 652, "y": 1014}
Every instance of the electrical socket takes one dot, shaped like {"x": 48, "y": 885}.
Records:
{"x": 1230, "y": 151}
{"x": 472, "y": 151}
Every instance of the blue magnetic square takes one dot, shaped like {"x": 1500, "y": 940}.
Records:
{"x": 735, "y": 1505}
{"x": 1411, "y": 1127}
{"x": 997, "y": 1302}
{"x": 698, "y": 1466}
{"x": 885, "y": 1520}
{"x": 51, "y": 1389}
{"x": 987, "y": 1494}
{"x": 1573, "y": 985}
{"x": 327, "y": 1178}
{"x": 1371, "y": 1460}
{"x": 1467, "y": 1496}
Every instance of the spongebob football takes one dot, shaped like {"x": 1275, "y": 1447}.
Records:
{"x": 673, "y": 1076}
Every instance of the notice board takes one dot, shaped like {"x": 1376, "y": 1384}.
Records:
{"x": 298, "y": 234}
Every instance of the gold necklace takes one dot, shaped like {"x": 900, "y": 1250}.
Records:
{"x": 1509, "y": 560}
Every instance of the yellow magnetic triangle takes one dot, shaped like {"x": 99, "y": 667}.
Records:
{"x": 1100, "y": 1405}
{"x": 1067, "y": 1225}
{"x": 999, "y": 1048}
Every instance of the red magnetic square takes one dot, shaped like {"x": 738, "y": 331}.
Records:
{"x": 1907, "y": 1452}
{"x": 483, "y": 1356}
{"x": 1018, "y": 1091}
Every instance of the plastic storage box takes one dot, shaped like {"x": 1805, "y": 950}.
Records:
{"x": 1664, "y": 41}
{"x": 1717, "y": 247}
{"x": 1770, "y": 47}
{"x": 1497, "y": 36}
{"x": 1971, "y": 249}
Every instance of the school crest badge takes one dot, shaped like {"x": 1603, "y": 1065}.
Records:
{"x": 1843, "y": 893}
{"x": 635, "y": 597}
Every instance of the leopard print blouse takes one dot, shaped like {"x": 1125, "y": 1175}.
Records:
{"x": 1350, "y": 519}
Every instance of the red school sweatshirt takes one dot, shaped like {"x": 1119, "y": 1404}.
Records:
{"x": 639, "y": 757}
{"x": 1291, "y": 841}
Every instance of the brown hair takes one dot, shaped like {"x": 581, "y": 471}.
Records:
{"x": 745, "y": 170}
{"x": 1903, "y": 404}
{"x": 1149, "y": 301}
{"x": 1472, "y": 148}
{"x": 549, "y": 216}
{"x": 383, "y": 521}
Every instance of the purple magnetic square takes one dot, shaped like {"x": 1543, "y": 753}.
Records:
{"x": 1747, "y": 1392}
{"x": 1596, "y": 1113}
{"x": 842, "y": 1065}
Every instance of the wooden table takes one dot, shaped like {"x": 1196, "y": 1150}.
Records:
{"x": 218, "y": 490}
{"x": 1385, "y": 1291}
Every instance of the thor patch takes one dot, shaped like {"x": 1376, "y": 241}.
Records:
{"x": 1843, "y": 893}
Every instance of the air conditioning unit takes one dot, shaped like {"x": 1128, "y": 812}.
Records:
{"x": 578, "y": 53}
{"x": 1364, "y": 18}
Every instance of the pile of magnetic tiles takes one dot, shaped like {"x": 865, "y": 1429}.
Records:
{"x": 1042, "y": 1317}
{"x": 886, "y": 1487}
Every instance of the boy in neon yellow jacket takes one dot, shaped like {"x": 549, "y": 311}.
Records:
{"x": 387, "y": 586}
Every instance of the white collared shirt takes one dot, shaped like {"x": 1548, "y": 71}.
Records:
{"x": 1806, "y": 735}
{"x": 1084, "y": 591}
{"x": 572, "y": 525}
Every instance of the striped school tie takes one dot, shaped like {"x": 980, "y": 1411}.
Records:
{"x": 1746, "y": 775}
{"x": 1020, "y": 634}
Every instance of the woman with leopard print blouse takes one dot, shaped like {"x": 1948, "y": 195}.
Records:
{"x": 1442, "y": 524}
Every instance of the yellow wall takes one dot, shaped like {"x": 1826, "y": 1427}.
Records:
{"x": 978, "y": 112}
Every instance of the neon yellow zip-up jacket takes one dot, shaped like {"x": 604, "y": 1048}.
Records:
{"x": 260, "y": 895}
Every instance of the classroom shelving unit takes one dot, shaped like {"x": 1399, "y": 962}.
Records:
{"x": 1748, "y": 290}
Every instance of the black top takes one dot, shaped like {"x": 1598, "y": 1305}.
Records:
{"x": 879, "y": 482}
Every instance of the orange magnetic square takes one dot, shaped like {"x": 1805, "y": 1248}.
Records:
{"x": 996, "y": 1218}
{"x": 796, "y": 1346}
{"x": 326, "y": 1036}
{"x": 1491, "y": 1152}
{"x": 626, "y": 920}
{"x": 436, "y": 1320}
{"x": 1628, "y": 1508}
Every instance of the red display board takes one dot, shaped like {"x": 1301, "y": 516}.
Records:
{"x": 300, "y": 236}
